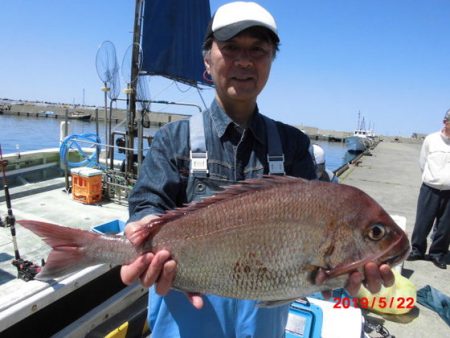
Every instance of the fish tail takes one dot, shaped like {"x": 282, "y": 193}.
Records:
{"x": 69, "y": 248}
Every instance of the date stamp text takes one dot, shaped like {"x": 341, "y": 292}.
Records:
{"x": 380, "y": 302}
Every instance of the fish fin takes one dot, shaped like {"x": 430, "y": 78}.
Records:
{"x": 275, "y": 303}
{"x": 232, "y": 191}
{"x": 62, "y": 261}
{"x": 68, "y": 244}
{"x": 145, "y": 232}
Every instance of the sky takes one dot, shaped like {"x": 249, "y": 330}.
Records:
{"x": 387, "y": 59}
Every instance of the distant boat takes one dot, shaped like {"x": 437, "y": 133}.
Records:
{"x": 79, "y": 115}
{"x": 361, "y": 139}
{"x": 358, "y": 142}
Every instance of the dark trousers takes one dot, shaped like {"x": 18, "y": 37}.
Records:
{"x": 433, "y": 206}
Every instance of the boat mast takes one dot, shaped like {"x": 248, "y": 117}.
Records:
{"x": 133, "y": 83}
{"x": 359, "y": 122}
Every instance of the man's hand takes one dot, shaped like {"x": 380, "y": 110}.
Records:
{"x": 152, "y": 268}
{"x": 374, "y": 277}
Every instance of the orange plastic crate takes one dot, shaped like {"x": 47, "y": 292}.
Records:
{"x": 87, "y": 185}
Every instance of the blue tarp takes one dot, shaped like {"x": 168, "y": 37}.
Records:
{"x": 172, "y": 37}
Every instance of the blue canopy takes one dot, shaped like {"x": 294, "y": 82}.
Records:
{"x": 172, "y": 38}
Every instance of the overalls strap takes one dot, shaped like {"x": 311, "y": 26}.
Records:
{"x": 198, "y": 153}
{"x": 275, "y": 156}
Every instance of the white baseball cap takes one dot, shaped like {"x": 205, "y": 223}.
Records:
{"x": 234, "y": 17}
{"x": 319, "y": 154}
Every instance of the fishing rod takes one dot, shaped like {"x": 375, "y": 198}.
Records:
{"x": 26, "y": 270}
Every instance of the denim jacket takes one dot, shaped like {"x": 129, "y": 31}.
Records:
{"x": 234, "y": 154}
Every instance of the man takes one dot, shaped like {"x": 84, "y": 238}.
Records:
{"x": 433, "y": 205}
{"x": 323, "y": 174}
{"x": 230, "y": 141}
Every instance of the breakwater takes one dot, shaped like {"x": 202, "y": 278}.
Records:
{"x": 156, "y": 119}
{"x": 60, "y": 111}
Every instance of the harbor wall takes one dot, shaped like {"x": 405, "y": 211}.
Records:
{"x": 59, "y": 111}
{"x": 339, "y": 136}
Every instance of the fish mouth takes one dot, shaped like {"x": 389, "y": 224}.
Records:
{"x": 382, "y": 258}
{"x": 393, "y": 260}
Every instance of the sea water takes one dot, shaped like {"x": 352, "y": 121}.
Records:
{"x": 20, "y": 133}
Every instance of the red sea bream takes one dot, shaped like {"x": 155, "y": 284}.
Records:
{"x": 264, "y": 239}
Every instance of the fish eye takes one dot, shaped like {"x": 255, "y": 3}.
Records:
{"x": 376, "y": 232}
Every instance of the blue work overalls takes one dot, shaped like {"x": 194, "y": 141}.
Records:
{"x": 173, "y": 316}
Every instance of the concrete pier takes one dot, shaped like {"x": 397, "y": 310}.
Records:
{"x": 392, "y": 177}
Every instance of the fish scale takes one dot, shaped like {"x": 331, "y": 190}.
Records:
{"x": 263, "y": 239}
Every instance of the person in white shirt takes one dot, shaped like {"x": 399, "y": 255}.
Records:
{"x": 433, "y": 206}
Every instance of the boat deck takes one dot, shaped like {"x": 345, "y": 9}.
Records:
{"x": 46, "y": 201}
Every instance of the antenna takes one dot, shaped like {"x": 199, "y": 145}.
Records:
{"x": 359, "y": 120}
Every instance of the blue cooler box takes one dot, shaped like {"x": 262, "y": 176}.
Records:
{"x": 114, "y": 227}
{"x": 304, "y": 320}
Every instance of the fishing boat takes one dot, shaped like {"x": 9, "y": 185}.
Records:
{"x": 80, "y": 184}
{"x": 358, "y": 142}
{"x": 361, "y": 139}
{"x": 79, "y": 115}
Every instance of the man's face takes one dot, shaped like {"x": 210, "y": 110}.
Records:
{"x": 239, "y": 67}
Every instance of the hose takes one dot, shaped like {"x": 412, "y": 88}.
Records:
{"x": 71, "y": 141}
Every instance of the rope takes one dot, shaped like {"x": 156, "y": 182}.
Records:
{"x": 70, "y": 142}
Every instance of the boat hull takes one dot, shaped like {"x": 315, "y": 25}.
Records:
{"x": 355, "y": 144}
{"x": 82, "y": 117}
